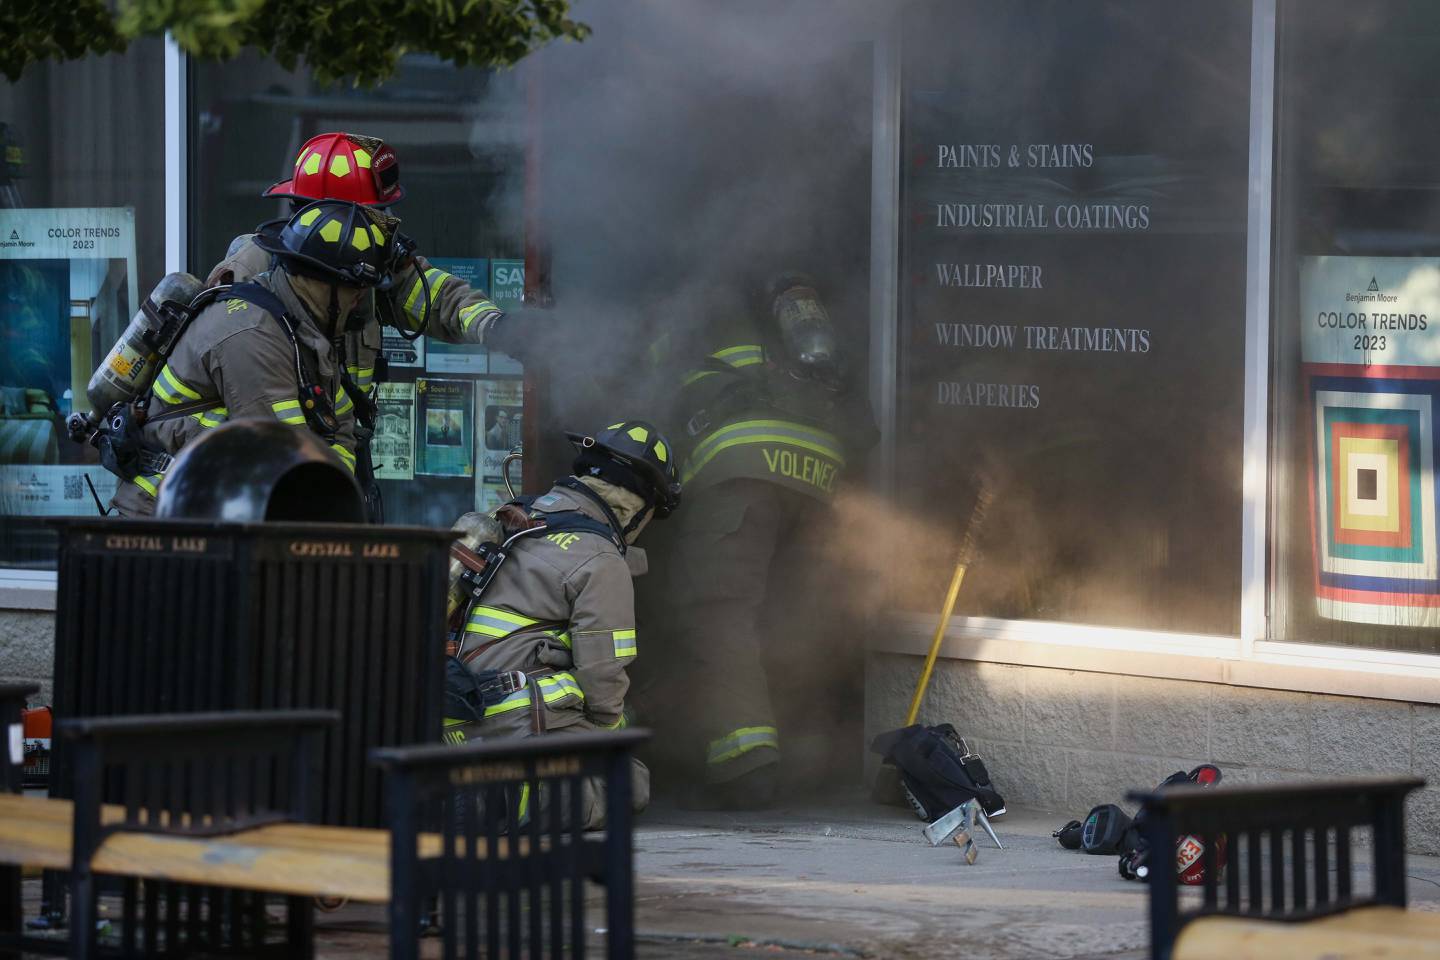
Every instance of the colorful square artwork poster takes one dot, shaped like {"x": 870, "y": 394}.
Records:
{"x": 393, "y": 447}
{"x": 1371, "y": 360}
{"x": 445, "y": 422}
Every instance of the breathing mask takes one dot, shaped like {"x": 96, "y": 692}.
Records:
{"x": 811, "y": 348}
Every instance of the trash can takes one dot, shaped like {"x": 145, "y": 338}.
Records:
{"x": 165, "y": 616}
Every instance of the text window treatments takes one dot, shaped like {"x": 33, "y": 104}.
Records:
{"x": 1072, "y": 306}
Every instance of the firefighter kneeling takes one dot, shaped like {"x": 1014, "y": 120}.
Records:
{"x": 556, "y": 602}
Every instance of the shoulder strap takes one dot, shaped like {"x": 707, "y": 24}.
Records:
{"x": 567, "y": 521}
{"x": 613, "y": 532}
{"x": 252, "y": 292}
{"x": 306, "y": 362}
{"x": 573, "y": 521}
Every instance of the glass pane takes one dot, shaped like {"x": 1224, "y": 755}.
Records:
{"x": 82, "y": 198}
{"x": 1072, "y": 308}
{"x": 449, "y": 414}
{"x": 1356, "y": 345}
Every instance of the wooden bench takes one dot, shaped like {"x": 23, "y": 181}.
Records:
{"x": 193, "y": 819}
{"x": 1291, "y": 886}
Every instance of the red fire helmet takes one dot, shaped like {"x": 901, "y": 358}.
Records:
{"x": 344, "y": 166}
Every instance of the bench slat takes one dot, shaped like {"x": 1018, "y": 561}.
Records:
{"x": 294, "y": 858}
{"x": 1365, "y": 933}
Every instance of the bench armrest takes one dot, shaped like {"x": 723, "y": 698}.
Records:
{"x": 509, "y": 816}
{"x": 1278, "y": 841}
{"x": 196, "y": 774}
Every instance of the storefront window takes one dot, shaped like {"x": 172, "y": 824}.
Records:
{"x": 448, "y": 415}
{"x": 82, "y": 197}
{"x": 1356, "y": 344}
{"x": 1072, "y": 312}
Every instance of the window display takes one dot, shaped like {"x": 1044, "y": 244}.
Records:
{"x": 82, "y": 181}
{"x": 1356, "y": 345}
{"x": 1072, "y": 315}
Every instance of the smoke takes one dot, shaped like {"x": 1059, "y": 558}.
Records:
{"x": 690, "y": 150}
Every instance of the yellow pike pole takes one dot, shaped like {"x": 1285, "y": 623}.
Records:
{"x": 984, "y": 496}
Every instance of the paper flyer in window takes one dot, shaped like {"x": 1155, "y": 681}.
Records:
{"x": 1370, "y": 359}
{"x": 445, "y": 419}
{"x": 507, "y": 289}
{"x": 464, "y": 359}
{"x": 53, "y": 490}
{"x": 400, "y": 352}
{"x": 500, "y": 407}
{"x": 68, "y": 287}
{"x": 393, "y": 447}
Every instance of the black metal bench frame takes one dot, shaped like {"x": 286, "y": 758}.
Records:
{"x": 161, "y": 766}
{"x": 1283, "y": 835}
{"x": 226, "y": 772}
{"x": 12, "y": 775}
{"x": 473, "y": 795}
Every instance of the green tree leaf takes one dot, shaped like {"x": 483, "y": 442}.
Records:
{"x": 35, "y": 30}
{"x": 356, "y": 40}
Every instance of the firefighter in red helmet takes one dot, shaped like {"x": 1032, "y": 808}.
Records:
{"x": 418, "y": 298}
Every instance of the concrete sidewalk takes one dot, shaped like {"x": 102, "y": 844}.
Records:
{"x": 850, "y": 878}
{"x": 847, "y": 878}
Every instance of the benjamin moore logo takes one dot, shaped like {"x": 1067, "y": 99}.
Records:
{"x": 1371, "y": 294}
{"x": 15, "y": 240}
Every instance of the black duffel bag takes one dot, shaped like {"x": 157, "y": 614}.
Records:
{"x": 938, "y": 770}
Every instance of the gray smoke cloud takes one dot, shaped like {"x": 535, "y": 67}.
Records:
{"x": 689, "y": 150}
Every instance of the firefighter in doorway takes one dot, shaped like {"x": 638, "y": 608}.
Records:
{"x": 561, "y": 607}
{"x": 267, "y": 348}
{"x": 364, "y": 170}
{"x": 766, "y": 410}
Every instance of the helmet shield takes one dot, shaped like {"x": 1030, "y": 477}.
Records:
{"x": 343, "y": 166}
{"x": 335, "y": 241}
{"x": 637, "y": 456}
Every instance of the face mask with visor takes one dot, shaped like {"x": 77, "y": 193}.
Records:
{"x": 808, "y": 336}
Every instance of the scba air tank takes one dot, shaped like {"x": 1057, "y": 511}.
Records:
{"x": 472, "y": 529}
{"x": 133, "y": 362}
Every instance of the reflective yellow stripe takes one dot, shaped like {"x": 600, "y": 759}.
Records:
{"x": 212, "y": 417}
{"x": 518, "y": 700}
{"x": 414, "y": 295}
{"x": 437, "y": 279}
{"x": 746, "y": 348}
{"x": 468, "y": 314}
{"x": 362, "y": 376}
{"x": 620, "y": 724}
{"x": 745, "y": 355}
{"x": 288, "y": 411}
{"x": 742, "y": 741}
{"x": 781, "y": 432}
{"x": 695, "y": 376}
{"x": 494, "y": 622}
{"x": 624, "y": 643}
{"x": 559, "y": 686}
{"x": 148, "y": 483}
{"x": 346, "y": 457}
{"x": 346, "y": 404}
{"x": 167, "y": 386}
